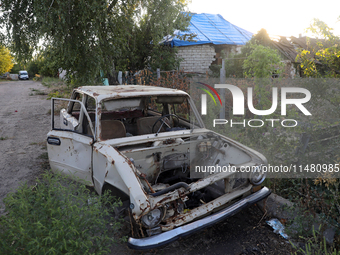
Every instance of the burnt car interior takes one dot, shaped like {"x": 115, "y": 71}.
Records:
{"x": 135, "y": 116}
{"x": 147, "y": 115}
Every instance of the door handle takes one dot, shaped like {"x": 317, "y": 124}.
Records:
{"x": 53, "y": 140}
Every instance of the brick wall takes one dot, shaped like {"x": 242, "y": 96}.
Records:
{"x": 196, "y": 58}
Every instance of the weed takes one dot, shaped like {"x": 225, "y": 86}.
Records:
{"x": 3, "y": 138}
{"x": 43, "y": 156}
{"x": 54, "y": 94}
{"x": 54, "y": 217}
{"x": 315, "y": 245}
{"x": 41, "y": 93}
{"x": 40, "y": 143}
{"x": 52, "y": 82}
{"x": 37, "y": 92}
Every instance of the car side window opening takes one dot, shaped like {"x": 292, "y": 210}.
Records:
{"x": 90, "y": 106}
{"x": 76, "y": 119}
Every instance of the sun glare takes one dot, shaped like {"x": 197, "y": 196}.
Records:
{"x": 288, "y": 18}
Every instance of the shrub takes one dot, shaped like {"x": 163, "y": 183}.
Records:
{"x": 57, "y": 216}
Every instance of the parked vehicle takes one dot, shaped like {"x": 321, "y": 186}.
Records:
{"x": 5, "y": 75}
{"x": 23, "y": 75}
{"x": 144, "y": 144}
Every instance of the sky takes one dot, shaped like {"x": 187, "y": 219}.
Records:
{"x": 279, "y": 18}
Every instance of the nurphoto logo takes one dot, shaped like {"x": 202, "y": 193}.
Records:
{"x": 239, "y": 101}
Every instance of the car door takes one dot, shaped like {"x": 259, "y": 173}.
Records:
{"x": 70, "y": 141}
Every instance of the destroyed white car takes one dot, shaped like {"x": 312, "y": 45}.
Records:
{"x": 145, "y": 144}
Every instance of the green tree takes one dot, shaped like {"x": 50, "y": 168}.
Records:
{"x": 148, "y": 27}
{"x": 86, "y": 37}
{"x": 261, "y": 37}
{"x": 322, "y": 56}
{"x": 6, "y": 60}
{"x": 262, "y": 62}
{"x": 44, "y": 64}
{"x": 235, "y": 63}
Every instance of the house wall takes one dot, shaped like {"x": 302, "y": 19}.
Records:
{"x": 289, "y": 69}
{"x": 236, "y": 49}
{"x": 196, "y": 58}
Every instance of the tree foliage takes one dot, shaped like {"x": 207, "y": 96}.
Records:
{"x": 322, "y": 56}
{"x": 262, "y": 62}
{"x": 85, "y": 37}
{"x": 43, "y": 64}
{"x": 155, "y": 20}
{"x": 6, "y": 60}
{"x": 257, "y": 59}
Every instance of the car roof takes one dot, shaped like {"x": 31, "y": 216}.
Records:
{"x": 121, "y": 91}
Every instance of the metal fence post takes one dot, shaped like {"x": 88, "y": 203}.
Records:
{"x": 158, "y": 73}
{"x": 120, "y": 77}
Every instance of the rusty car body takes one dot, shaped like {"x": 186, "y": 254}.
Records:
{"x": 141, "y": 142}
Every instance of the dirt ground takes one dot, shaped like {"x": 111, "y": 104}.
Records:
{"x": 24, "y": 123}
{"x": 243, "y": 234}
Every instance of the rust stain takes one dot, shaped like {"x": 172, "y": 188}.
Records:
{"x": 106, "y": 173}
{"x": 163, "y": 199}
{"x": 143, "y": 210}
{"x": 112, "y": 162}
{"x": 169, "y": 141}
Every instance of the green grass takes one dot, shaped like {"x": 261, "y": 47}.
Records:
{"x": 55, "y": 217}
{"x": 43, "y": 156}
{"x": 37, "y": 92}
{"x": 43, "y": 143}
{"x": 52, "y": 82}
{"x": 57, "y": 87}
{"x": 3, "y": 138}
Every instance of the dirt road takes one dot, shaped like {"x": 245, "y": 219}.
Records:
{"x": 24, "y": 123}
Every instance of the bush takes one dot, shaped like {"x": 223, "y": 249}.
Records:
{"x": 57, "y": 216}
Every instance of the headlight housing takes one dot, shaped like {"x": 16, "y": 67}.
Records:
{"x": 153, "y": 218}
{"x": 257, "y": 176}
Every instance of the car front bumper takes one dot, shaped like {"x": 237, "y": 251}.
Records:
{"x": 172, "y": 235}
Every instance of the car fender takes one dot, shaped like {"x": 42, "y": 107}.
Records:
{"x": 112, "y": 167}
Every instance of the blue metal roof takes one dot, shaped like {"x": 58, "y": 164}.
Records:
{"x": 211, "y": 28}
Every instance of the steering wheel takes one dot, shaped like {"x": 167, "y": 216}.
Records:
{"x": 163, "y": 122}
